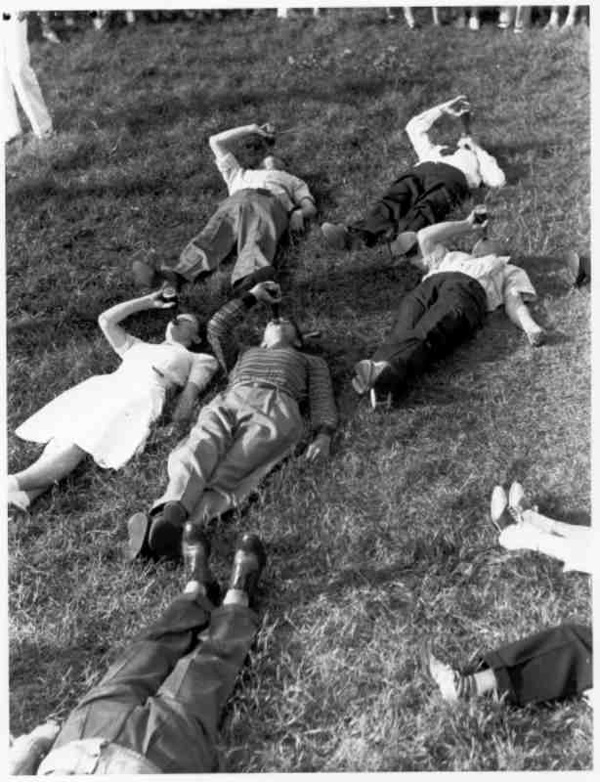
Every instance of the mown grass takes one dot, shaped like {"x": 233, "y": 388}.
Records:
{"x": 389, "y": 541}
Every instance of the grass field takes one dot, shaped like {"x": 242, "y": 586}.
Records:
{"x": 389, "y": 541}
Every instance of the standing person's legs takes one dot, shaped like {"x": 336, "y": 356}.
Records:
{"x": 11, "y": 123}
{"x": 23, "y": 77}
{"x": 138, "y": 673}
{"x": 262, "y": 222}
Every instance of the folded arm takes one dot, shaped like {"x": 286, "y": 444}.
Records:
{"x": 221, "y": 328}
{"x": 418, "y": 127}
{"x": 442, "y": 233}
{"x": 222, "y": 143}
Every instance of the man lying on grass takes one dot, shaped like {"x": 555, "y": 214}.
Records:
{"x": 243, "y": 432}
{"x": 447, "y": 307}
{"x": 157, "y": 709}
{"x": 427, "y": 192}
{"x": 262, "y": 205}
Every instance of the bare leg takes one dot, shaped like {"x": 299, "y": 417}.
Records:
{"x": 571, "y": 16}
{"x": 56, "y": 462}
{"x": 519, "y": 314}
{"x": 571, "y": 531}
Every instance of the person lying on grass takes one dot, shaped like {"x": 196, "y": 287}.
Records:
{"x": 243, "y": 432}
{"x": 263, "y": 203}
{"x": 157, "y": 709}
{"x": 109, "y": 416}
{"x": 552, "y": 664}
{"x": 426, "y": 193}
{"x": 521, "y": 526}
{"x": 447, "y": 307}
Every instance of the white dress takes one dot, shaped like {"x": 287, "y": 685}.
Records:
{"x": 109, "y": 416}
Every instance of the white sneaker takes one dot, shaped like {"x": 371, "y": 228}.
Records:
{"x": 441, "y": 673}
{"x": 499, "y": 508}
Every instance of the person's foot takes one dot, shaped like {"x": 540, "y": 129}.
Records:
{"x": 366, "y": 373}
{"x": 537, "y": 337}
{"x": 578, "y": 268}
{"x": 50, "y": 35}
{"x": 499, "y": 509}
{"x": 166, "y": 530}
{"x": 138, "y": 527}
{"x": 517, "y": 500}
{"x": 248, "y": 563}
{"x": 473, "y": 23}
{"x": 404, "y": 243}
{"x": 336, "y": 236}
{"x": 442, "y": 674}
{"x": 195, "y": 550}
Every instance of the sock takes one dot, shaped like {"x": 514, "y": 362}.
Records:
{"x": 194, "y": 587}
{"x": 236, "y": 597}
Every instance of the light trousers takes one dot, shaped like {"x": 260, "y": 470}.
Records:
{"x": 18, "y": 77}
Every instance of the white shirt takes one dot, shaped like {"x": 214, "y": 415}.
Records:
{"x": 478, "y": 166}
{"x": 494, "y": 273}
{"x": 289, "y": 189}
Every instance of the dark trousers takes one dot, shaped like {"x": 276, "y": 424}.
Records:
{"x": 434, "y": 318}
{"x": 164, "y": 695}
{"x": 554, "y": 663}
{"x": 422, "y": 196}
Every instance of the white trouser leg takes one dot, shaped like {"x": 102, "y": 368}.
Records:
{"x": 24, "y": 80}
{"x": 11, "y": 126}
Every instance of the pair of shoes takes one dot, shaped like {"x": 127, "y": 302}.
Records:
{"x": 506, "y": 509}
{"x": 440, "y": 673}
{"x": 157, "y": 535}
{"x": 366, "y": 373}
{"x": 248, "y": 562}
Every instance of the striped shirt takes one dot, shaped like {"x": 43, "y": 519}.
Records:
{"x": 291, "y": 371}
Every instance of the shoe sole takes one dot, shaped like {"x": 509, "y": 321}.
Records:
{"x": 137, "y": 531}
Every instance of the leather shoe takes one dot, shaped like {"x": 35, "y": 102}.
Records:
{"x": 166, "y": 530}
{"x": 138, "y": 527}
{"x": 248, "y": 563}
{"x": 195, "y": 549}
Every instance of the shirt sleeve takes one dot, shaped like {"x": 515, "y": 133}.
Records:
{"x": 300, "y": 191}
{"x": 229, "y": 167}
{"x": 130, "y": 341}
{"x": 323, "y": 412}
{"x": 418, "y": 132}
{"x": 220, "y": 330}
{"x": 202, "y": 369}
{"x": 491, "y": 173}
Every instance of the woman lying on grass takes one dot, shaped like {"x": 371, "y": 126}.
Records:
{"x": 109, "y": 416}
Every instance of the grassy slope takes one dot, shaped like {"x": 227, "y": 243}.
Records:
{"x": 388, "y": 541}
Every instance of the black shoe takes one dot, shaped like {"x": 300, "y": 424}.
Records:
{"x": 166, "y": 530}
{"x": 138, "y": 528}
{"x": 195, "y": 550}
{"x": 248, "y": 563}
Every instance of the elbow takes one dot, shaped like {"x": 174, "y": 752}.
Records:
{"x": 102, "y": 321}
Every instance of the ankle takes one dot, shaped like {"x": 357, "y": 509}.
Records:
{"x": 236, "y": 597}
